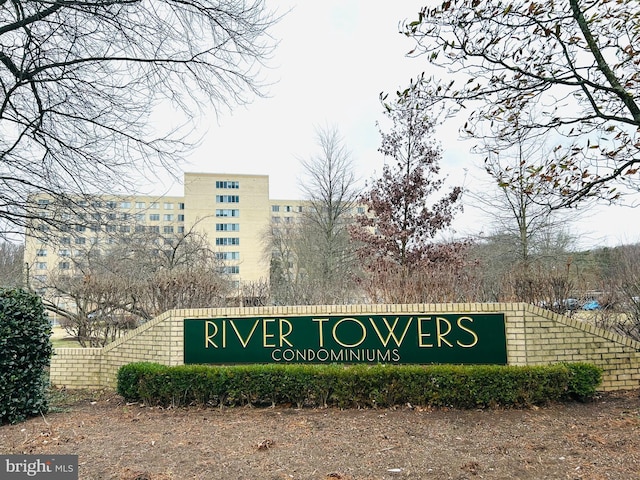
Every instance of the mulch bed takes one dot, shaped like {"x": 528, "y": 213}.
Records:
{"x": 116, "y": 440}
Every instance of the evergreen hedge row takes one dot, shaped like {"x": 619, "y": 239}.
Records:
{"x": 357, "y": 386}
{"x": 25, "y": 353}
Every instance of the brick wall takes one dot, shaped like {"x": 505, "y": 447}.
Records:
{"x": 534, "y": 337}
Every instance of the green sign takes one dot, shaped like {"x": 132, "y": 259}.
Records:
{"x": 421, "y": 338}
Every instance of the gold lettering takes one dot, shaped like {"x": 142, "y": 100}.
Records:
{"x": 439, "y": 334}
{"x": 320, "y": 332}
{"x": 421, "y": 335}
{"x": 391, "y": 330}
{"x": 243, "y": 341}
{"x": 473, "y": 334}
{"x": 265, "y": 335}
{"x": 283, "y": 336}
{"x": 208, "y": 337}
{"x": 224, "y": 334}
{"x": 364, "y": 332}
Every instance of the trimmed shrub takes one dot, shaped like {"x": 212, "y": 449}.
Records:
{"x": 583, "y": 380}
{"x": 358, "y": 385}
{"x": 25, "y": 354}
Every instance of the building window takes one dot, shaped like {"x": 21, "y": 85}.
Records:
{"x": 227, "y": 241}
{"x": 299, "y": 208}
{"x": 288, "y": 208}
{"x": 112, "y": 204}
{"x": 125, "y": 229}
{"x": 65, "y": 240}
{"x": 228, "y": 255}
{"x": 288, "y": 219}
{"x": 80, "y": 228}
{"x": 180, "y": 229}
{"x": 111, "y": 216}
{"x": 110, "y": 228}
{"x": 168, "y": 206}
{"x": 275, "y": 219}
{"x": 154, "y": 229}
{"x": 227, "y": 198}
{"x": 227, "y": 184}
{"x": 227, "y": 212}
{"x": 42, "y": 202}
{"x": 81, "y": 241}
{"x": 139, "y": 228}
{"x": 41, "y": 252}
{"x": 140, "y": 217}
{"x": 360, "y": 210}
{"x": 181, "y": 218}
{"x": 154, "y": 217}
{"x": 168, "y": 217}
{"x": 125, "y": 204}
{"x": 125, "y": 216}
{"x": 227, "y": 227}
{"x": 41, "y": 265}
{"x": 64, "y": 265}
{"x": 275, "y": 208}
{"x": 43, "y": 227}
{"x": 181, "y": 206}
{"x": 167, "y": 229}
{"x": 229, "y": 269}
{"x": 141, "y": 205}
{"x": 154, "y": 206}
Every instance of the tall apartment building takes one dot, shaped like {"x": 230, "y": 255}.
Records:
{"x": 233, "y": 211}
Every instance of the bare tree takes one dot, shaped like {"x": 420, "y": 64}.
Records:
{"x": 114, "y": 286}
{"x": 622, "y": 311}
{"x": 572, "y": 64}
{"x": 252, "y": 294}
{"x": 287, "y": 286}
{"x": 325, "y": 254}
{"x": 515, "y": 207}
{"x": 81, "y": 81}
{"x": 526, "y": 242}
{"x": 11, "y": 264}
{"x": 312, "y": 259}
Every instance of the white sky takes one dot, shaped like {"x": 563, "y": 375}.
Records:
{"x": 333, "y": 60}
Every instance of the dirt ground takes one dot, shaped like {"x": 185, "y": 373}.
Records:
{"x": 116, "y": 440}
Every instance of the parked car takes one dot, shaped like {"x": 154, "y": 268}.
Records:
{"x": 571, "y": 304}
{"x": 591, "y": 305}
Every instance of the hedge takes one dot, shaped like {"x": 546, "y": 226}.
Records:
{"x": 25, "y": 353}
{"x": 358, "y": 385}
